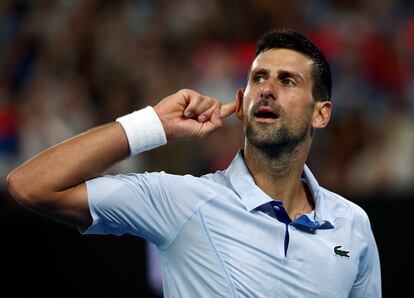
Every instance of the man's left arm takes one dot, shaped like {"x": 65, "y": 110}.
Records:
{"x": 368, "y": 281}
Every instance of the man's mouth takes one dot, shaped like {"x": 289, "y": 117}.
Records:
{"x": 265, "y": 115}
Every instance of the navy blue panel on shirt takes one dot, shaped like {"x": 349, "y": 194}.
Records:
{"x": 282, "y": 216}
{"x": 302, "y": 223}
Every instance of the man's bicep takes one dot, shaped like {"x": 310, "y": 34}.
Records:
{"x": 72, "y": 208}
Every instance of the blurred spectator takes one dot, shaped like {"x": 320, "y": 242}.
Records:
{"x": 69, "y": 65}
{"x": 9, "y": 126}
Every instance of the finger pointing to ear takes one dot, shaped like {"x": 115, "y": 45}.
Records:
{"x": 227, "y": 109}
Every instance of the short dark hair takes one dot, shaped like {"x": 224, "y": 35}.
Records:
{"x": 289, "y": 39}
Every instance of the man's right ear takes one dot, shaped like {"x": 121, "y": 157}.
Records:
{"x": 239, "y": 103}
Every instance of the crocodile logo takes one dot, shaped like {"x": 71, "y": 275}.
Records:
{"x": 342, "y": 253}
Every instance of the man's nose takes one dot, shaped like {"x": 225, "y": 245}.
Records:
{"x": 267, "y": 90}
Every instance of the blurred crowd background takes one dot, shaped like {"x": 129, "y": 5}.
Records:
{"x": 66, "y": 66}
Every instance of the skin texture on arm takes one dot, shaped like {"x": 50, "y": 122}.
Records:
{"x": 52, "y": 182}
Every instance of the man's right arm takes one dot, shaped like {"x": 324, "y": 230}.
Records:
{"x": 53, "y": 182}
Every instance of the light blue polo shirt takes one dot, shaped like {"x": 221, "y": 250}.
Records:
{"x": 220, "y": 235}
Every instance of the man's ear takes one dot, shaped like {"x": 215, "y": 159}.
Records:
{"x": 322, "y": 114}
{"x": 239, "y": 103}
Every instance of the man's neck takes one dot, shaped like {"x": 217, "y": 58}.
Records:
{"x": 280, "y": 176}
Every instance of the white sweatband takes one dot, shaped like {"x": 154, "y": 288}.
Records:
{"x": 143, "y": 129}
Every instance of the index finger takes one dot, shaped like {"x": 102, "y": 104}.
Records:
{"x": 227, "y": 109}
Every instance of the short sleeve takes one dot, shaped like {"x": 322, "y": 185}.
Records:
{"x": 137, "y": 204}
{"x": 154, "y": 206}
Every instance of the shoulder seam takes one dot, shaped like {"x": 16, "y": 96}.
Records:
{"x": 169, "y": 241}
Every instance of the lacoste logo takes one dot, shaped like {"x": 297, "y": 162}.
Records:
{"x": 342, "y": 253}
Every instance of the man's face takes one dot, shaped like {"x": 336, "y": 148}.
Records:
{"x": 277, "y": 105}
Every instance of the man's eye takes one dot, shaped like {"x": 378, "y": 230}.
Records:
{"x": 288, "y": 82}
{"x": 259, "y": 79}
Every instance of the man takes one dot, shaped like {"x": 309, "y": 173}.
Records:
{"x": 262, "y": 228}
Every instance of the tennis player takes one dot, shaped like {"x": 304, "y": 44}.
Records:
{"x": 264, "y": 227}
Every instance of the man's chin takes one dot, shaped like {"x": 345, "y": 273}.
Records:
{"x": 263, "y": 136}
{"x": 264, "y": 141}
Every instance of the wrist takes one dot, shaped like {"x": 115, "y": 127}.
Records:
{"x": 143, "y": 129}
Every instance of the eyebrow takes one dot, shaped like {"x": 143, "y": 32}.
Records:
{"x": 281, "y": 74}
{"x": 256, "y": 71}
{"x": 287, "y": 73}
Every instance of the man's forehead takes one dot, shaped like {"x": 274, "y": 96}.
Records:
{"x": 286, "y": 59}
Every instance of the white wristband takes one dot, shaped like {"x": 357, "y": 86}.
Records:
{"x": 143, "y": 129}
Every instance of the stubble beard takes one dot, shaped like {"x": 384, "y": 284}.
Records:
{"x": 274, "y": 141}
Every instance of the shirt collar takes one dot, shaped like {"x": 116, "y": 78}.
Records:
{"x": 252, "y": 196}
{"x": 242, "y": 181}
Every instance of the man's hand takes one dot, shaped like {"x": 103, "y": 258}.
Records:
{"x": 52, "y": 182}
{"x": 188, "y": 114}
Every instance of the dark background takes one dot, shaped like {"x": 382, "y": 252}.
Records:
{"x": 67, "y": 66}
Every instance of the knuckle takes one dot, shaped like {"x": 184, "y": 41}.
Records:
{"x": 182, "y": 91}
{"x": 205, "y": 98}
{"x": 185, "y": 90}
